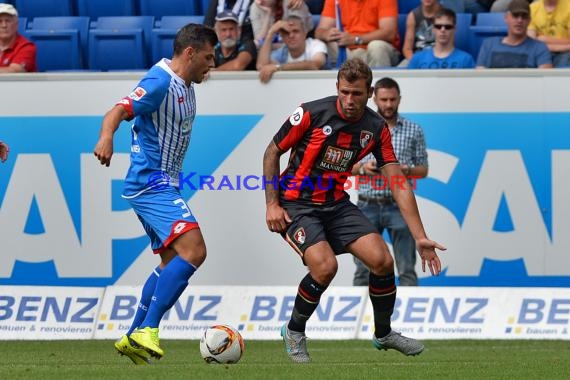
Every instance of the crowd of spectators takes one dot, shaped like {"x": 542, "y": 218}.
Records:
{"x": 274, "y": 35}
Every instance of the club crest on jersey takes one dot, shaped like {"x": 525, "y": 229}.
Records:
{"x": 137, "y": 94}
{"x": 365, "y": 138}
{"x": 297, "y": 116}
{"x": 327, "y": 130}
{"x": 300, "y": 236}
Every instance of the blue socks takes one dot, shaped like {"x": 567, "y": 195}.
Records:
{"x": 146, "y": 296}
{"x": 170, "y": 285}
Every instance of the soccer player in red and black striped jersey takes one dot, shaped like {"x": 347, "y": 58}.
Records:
{"x": 307, "y": 204}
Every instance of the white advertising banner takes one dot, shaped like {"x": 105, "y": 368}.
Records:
{"x": 346, "y": 312}
{"x": 34, "y": 312}
{"x": 257, "y": 312}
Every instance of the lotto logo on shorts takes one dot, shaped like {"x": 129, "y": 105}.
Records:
{"x": 179, "y": 227}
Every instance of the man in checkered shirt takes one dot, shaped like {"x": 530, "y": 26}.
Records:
{"x": 375, "y": 198}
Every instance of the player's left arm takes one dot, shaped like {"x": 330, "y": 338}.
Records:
{"x": 402, "y": 192}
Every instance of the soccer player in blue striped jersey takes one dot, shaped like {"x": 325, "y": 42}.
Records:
{"x": 163, "y": 106}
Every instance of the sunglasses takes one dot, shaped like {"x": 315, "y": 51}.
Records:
{"x": 443, "y": 26}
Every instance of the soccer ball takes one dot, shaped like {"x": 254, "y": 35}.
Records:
{"x": 221, "y": 344}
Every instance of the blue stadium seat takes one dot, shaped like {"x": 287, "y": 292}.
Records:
{"x": 177, "y": 22}
{"x": 100, "y": 8}
{"x": 54, "y": 31}
{"x": 22, "y": 25}
{"x": 402, "y": 27}
{"x": 43, "y": 8}
{"x": 463, "y": 24}
{"x": 487, "y": 25}
{"x": 491, "y": 19}
{"x": 405, "y": 6}
{"x": 316, "y": 20}
{"x": 204, "y": 6}
{"x": 163, "y": 37}
{"x": 457, "y": 6}
{"x": 159, "y": 8}
{"x": 120, "y": 43}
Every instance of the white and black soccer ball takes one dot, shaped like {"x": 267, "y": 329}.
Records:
{"x": 221, "y": 344}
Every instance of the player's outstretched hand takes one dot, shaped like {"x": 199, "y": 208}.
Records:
{"x": 427, "y": 248}
{"x": 104, "y": 150}
{"x": 276, "y": 218}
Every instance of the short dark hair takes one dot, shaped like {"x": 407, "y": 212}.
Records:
{"x": 386, "y": 83}
{"x": 194, "y": 35}
{"x": 354, "y": 69}
{"x": 446, "y": 12}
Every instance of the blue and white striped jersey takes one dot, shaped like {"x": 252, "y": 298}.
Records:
{"x": 164, "y": 109}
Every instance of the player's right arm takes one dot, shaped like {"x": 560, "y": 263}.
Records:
{"x": 276, "y": 217}
{"x": 104, "y": 148}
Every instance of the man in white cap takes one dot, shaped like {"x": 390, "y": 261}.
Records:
{"x": 17, "y": 54}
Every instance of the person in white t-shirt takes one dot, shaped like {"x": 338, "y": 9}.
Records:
{"x": 297, "y": 52}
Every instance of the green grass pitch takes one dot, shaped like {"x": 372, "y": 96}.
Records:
{"x": 349, "y": 359}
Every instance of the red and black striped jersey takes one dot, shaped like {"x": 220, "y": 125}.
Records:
{"x": 324, "y": 146}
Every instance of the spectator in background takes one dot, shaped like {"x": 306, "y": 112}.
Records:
{"x": 502, "y": 5}
{"x": 367, "y": 28}
{"x": 297, "y": 53}
{"x": 516, "y": 50}
{"x": 4, "y": 150}
{"x": 264, "y": 13}
{"x": 231, "y": 53}
{"x": 444, "y": 54}
{"x": 477, "y": 6}
{"x": 315, "y": 6}
{"x": 17, "y": 54}
{"x": 550, "y": 23}
{"x": 419, "y": 33}
{"x": 375, "y": 199}
{"x": 238, "y": 7}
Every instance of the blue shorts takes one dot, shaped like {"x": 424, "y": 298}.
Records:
{"x": 164, "y": 216}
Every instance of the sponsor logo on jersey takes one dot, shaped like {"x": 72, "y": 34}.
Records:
{"x": 336, "y": 159}
{"x": 327, "y": 130}
{"x": 137, "y": 94}
{"x": 297, "y": 116}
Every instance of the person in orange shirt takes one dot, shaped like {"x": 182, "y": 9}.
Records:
{"x": 17, "y": 54}
{"x": 367, "y": 28}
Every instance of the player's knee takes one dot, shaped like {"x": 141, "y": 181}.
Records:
{"x": 325, "y": 271}
{"x": 195, "y": 255}
{"x": 384, "y": 264}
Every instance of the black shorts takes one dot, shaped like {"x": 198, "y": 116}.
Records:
{"x": 339, "y": 225}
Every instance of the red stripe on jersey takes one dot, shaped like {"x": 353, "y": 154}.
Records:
{"x": 312, "y": 151}
{"x": 319, "y": 195}
{"x": 295, "y": 133}
{"x": 386, "y": 148}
